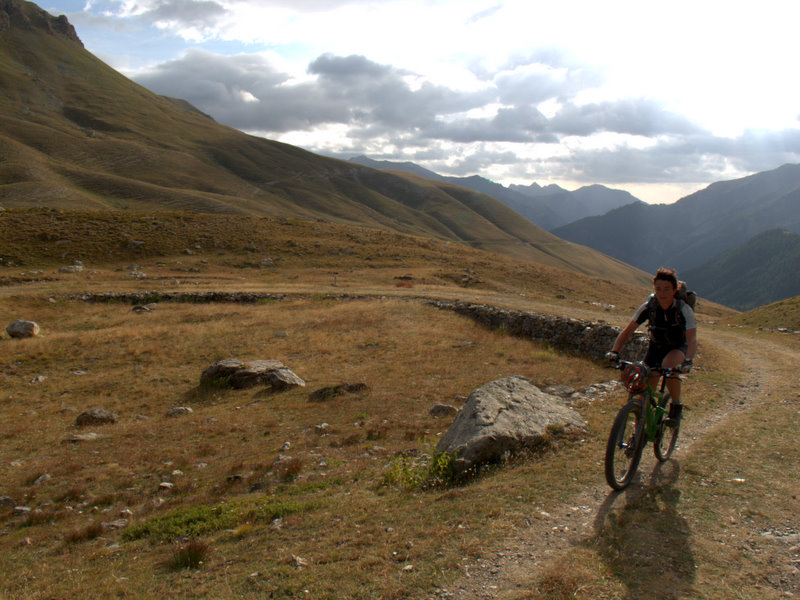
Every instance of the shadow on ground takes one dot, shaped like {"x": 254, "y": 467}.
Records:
{"x": 645, "y": 542}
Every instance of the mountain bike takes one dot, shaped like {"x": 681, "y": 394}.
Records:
{"x": 642, "y": 419}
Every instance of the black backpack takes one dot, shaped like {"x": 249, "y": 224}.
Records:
{"x": 674, "y": 333}
{"x": 685, "y": 294}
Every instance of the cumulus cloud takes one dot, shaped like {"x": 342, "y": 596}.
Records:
{"x": 192, "y": 13}
{"x": 384, "y": 106}
{"x": 504, "y": 89}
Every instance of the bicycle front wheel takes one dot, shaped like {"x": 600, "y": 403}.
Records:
{"x": 666, "y": 437}
{"x": 625, "y": 444}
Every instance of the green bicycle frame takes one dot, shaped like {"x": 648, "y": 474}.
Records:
{"x": 654, "y": 410}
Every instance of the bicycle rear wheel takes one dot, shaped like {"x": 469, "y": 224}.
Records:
{"x": 666, "y": 437}
{"x": 625, "y": 444}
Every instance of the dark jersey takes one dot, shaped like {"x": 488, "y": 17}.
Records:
{"x": 667, "y": 327}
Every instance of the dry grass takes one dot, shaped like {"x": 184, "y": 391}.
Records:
{"x": 288, "y": 505}
{"x": 247, "y": 446}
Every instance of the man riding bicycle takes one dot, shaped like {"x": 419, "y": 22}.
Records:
{"x": 673, "y": 335}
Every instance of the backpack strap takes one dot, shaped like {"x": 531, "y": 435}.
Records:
{"x": 660, "y": 334}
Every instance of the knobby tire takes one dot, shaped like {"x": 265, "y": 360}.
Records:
{"x": 625, "y": 444}
{"x": 666, "y": 437}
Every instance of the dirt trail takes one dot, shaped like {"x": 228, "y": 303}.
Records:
{"x": 527, "y": 553}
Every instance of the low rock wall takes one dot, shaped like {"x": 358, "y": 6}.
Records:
{"x": 587, "y": 338}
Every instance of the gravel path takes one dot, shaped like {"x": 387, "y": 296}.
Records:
{"x": 525, "y": 554}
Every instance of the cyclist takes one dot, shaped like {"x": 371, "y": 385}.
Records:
{"x": 673, "y": 335}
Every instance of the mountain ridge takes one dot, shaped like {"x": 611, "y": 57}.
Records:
{"x": 548, "y": 207}
{"x": 76, "y": 134}
{"x": 696, "y": 228}
{"x": 761, "y": 271}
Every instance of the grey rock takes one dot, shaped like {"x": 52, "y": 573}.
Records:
{"x": 179, "y": 411}
{"x": 95, "y": 416}
{"x": 328, "y": 392}
{"x": 21, "y": 328}
{"x": 503, "y": 417}
{"x": 42, "y": 479}
{"x": 91, "y": 436}
{"x": 443, "y": 410}
{"x": 71, "y": 269}
{"x": 240, "y": 374}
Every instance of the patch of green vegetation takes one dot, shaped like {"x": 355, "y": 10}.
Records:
{"x": 421, "y": 472}
{"x": 195, "y": 521}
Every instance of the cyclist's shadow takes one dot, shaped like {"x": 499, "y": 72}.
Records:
{"x": 646, "y": 542}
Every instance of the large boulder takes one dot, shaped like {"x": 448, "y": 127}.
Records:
{"x": 503, "y": 417}
{"x": 22, "y": 329}
{"x": 246, "y": 374}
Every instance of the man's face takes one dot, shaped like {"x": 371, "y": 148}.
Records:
{"x": 665, "y": 292}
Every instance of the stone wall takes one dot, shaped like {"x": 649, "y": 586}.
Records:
{"x": 586, "y": 338}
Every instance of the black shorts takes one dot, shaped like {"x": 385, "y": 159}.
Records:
{"x": 656, "y": 354}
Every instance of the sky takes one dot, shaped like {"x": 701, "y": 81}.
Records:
{"x": 656, "y": 98}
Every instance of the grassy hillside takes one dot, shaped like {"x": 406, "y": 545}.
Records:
{"x": 692, "y": 231}
{"x": 758, "y": 272}
{"x": 778, "y": 315}
{"x": 271, "y": 495}
{"x": 75, "y": 134}
{"x": 55, "y": 238}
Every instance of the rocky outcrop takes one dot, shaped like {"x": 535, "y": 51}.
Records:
{"x": 587, "y": 338}
{"x": 240, "y": 374}
{"x": 503, "y": 417}
{"x": 29, "y": 17}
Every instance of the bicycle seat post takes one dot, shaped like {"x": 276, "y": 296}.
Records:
{"x": 664, "y": 374}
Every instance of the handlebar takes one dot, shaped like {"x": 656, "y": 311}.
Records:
{"x": 665, "y": 371}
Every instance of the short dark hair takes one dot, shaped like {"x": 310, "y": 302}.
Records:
{"x": 665, "y": 274}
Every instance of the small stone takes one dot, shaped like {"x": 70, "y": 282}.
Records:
{"x": 179, "y": 411}
{"x": 118, "y": 524}
{"x": 84, "y": 437}
{"x": 95, "y": 416}
{"x": 42, "y": 479}
{"x": 71, "y": 269}
{"x": 443, "y": 410}
{"x": 299, "y": 561}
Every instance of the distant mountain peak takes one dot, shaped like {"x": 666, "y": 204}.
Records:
{"x": 27, "y": 16}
